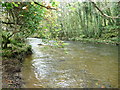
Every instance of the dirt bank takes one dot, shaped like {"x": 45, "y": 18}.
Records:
{"x": 11, "y": 68}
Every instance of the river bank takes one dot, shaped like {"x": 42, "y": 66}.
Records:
{"x": 11, "y": 67}
{"x": 96, "y": 41}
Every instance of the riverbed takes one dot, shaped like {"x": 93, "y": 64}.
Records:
{"x": 77, "y": 65}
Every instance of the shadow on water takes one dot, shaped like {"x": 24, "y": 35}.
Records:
{"x": 84, "y": 66}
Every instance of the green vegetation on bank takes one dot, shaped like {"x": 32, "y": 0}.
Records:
{"x": 21, "y": 20}
{"x": 82, "y": 21}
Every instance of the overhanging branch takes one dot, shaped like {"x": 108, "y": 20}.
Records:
{"x": 47, "y": 7}
{"x": 103, "y": 14}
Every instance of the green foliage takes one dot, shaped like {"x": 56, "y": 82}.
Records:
{"x": 33, "y": 16}
{"x": 54, "y": 3}
{"x": 16, "y": 5}
{"x": 13, "y": 50}
{"x": 27, "y": 18}
{"x": 49, "y": 27}
{"x": 27, "y": 15}
{"x": 83, "y": 21}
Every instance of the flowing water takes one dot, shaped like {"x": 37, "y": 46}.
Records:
{"x": 84, "y": 65}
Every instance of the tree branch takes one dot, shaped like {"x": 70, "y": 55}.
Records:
{"x": 103, "y": 14}
{"x": 10, "y": 23}
{"x": 47, "y": 7}
{"x": 14, "y": 32}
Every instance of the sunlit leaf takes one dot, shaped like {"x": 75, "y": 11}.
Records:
{"x": 16, "y": 5}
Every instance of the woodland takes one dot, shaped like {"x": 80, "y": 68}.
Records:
{"x": 96, "y": 22}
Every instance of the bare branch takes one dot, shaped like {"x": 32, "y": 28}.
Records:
{"x": 103, "y": 14}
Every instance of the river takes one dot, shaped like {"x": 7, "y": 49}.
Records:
{"x": 85, "y": 65}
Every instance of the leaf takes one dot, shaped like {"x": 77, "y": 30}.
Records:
{"x": 16, "y": 5}
{"x": 3, "y": 4}
{"x": 9, "y": 5}
{"x": 73, "y": 9}
{"x": 18, "y": 2}
{"x": 96, "y": 83}
{"x": 53, "y": 3}
{"x": 32, "y": 3}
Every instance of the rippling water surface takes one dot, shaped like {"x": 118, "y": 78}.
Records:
{"x": 85, "y": 65}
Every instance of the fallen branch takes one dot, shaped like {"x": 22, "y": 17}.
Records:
{"x": 103, "y": 14}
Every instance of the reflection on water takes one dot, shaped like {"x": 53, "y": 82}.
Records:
{"x": 85, "y": 65}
